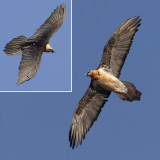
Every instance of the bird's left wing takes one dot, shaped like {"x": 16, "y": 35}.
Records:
{"x": 118, "y": 46}
{"x": 86, "y": 113}
{"x": 29, "y": 64}
{"x": 51, "y": 25}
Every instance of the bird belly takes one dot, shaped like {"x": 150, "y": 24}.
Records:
{"x": 108, "y": 82}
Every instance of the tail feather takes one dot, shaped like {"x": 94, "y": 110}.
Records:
{"x": 131, "y": 95}
{"x": 13, "y": 48}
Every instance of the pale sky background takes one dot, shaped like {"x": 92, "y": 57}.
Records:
{"x": 36, "y": 125}
{"x": 21, "y": 17}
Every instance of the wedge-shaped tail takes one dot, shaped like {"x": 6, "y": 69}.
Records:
{"x": 132, "y": 94}
{"x": 14, "y": 47}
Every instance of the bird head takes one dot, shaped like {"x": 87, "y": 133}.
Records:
{"x": 93, "y": 74}
{"x": 49, "y": 48}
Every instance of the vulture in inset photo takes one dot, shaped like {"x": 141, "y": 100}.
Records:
{"x": 104, "y": 80}
{"x": 33, "y": 47}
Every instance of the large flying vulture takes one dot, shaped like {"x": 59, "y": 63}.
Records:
{"x": 33, "y": 47}
{"x": 104, "y": 80}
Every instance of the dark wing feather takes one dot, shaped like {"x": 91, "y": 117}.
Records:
{"x": 51, "y": 25}
{"x": 30, "y": 63}
{"x": 118, "y": 46}
{"x": 86, "y": 113}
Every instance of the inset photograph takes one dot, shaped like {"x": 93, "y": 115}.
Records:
{"x": 36, "y": 47}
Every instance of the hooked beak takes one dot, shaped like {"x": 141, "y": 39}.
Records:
{"x": 88, "y": 73}
{"x": 51, "y": 50}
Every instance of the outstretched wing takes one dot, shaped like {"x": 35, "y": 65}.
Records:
{"x": 86, "y": 113}
{"x": 29, "y": 64}
{"x": 51, "y": 25}
{"x": 118, "y": 46}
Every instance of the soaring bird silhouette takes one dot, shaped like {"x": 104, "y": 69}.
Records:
{"x": 104, "y": 80}
{"x": 33, "y": 47}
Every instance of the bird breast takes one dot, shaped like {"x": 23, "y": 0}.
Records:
{"x": 108, "y": 82}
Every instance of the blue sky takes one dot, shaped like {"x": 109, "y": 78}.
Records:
{"x": 36, "y": 125}
{"x": 24, "y": 18}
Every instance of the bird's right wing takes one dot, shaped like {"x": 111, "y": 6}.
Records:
{"x": 51, "y": 25}
{"x": 86, "y": 113}
{"x": 29, "y": 64}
